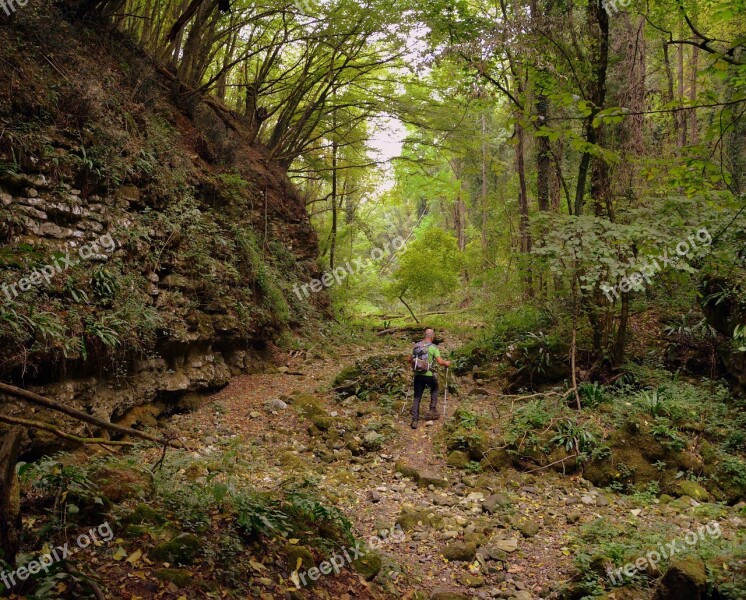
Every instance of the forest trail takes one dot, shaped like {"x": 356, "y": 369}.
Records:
{"x": 448, "y": 515}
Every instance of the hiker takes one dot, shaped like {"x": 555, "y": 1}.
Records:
{"x": 424, "y": 357}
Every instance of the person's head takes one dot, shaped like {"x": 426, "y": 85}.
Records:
{"x": 429, "y": 334}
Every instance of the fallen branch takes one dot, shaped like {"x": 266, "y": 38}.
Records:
{"x": 81, "y": 416}
{"x": 58, "y": 432}
{"x": 519, "y": 397}
{"x": 561, "y": 460}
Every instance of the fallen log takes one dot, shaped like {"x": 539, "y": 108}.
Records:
{"x": 84, "y": 417}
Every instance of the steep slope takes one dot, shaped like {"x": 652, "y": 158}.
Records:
{"x": 146, "y": 251}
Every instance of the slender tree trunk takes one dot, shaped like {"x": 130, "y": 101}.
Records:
{"x": 10, "y": 504}
{"x": 484, "y": 184}
{"x": 671, "y": 96}
{"x": 333, "y": 246}
{"x": 524, "y": 224}
{"x": 416, "y": 320}
{"x": 694, "y": 69}
{"x": 601, "y": 184}
{"x": 542, "y": 157}
{"x": 621, "y": 336}
{"x": 555, "y": 188}
{"x": 459, "y": 222}
{"x": 680, "y": 115}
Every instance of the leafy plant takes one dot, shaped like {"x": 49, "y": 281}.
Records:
{"x": 654, "y": 402}
{"x": 592, "y": 394}
{"x": 667, "y": 435}
{"x": 573, "y": 436}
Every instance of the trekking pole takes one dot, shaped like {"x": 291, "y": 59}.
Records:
{"x": 445, "y": 401}
{"x": 406, "y": 400}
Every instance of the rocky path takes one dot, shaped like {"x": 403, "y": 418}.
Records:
{"x": 467, "y": 534}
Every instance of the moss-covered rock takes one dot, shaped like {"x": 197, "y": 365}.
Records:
{"x": 684, "y": 580}
{"x": 445, "y": 595}
{"x": 179, "y": 577}
{"x": 692, "y": 489}
{"x": 411, "y": 518}
{"x": 460, "y": 551}
{"x": 406, "y": 470}
{"x": 497, "y": 459}
{"x": 471, "y": 581}
{"x": 635, "y": 460}
{"x": 299, "y": 557}
{"x": 474, "y": 442}
{"x": 369, "y": 565}
{"x": 374, "y": 377}
{"x": 143, "y": 513}
{"x": 458, "y": 459}
{"x": 181, "y": 550}
{"x": 425, "y": 479}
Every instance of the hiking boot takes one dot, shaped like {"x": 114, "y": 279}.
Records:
{"x": 415, "y": 423}
{"x": 433, "y": 415}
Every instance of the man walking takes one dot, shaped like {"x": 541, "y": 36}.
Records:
{"x": 424, "y": 357}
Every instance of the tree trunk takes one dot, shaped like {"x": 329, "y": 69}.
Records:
{"x": 601, "y": 184}
{"x": 484, "y": 184}
{"x": 542, "y": 157}
{"x": 621, "y": 336}
{"x": 409, "y": 309}
{"x": 524, "y": 223}
{"x": 598, "y": 21}
{"x": 333, "y": 246}
{"x": 10, "y": 503}
{"x": 694, "y": 68}
{"x": 680, "y": 115}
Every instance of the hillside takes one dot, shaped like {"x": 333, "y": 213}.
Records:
{"x": 156, "y": 246}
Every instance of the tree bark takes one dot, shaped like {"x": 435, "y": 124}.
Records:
{"x": 598, "y": 21}
{"x": 694, "y": 68}
{"x": 524, "y": 223}
{"x": 542, "y": 157}
{"x": 484, "y": 184}
{"x": 333, "y": 246}
{"x": 680, "y": 115}
{"x": 10, "y": 503}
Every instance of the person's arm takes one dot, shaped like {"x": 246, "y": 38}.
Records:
{"x": 438, "y": 359}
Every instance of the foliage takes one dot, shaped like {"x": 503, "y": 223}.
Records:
{"x": 428, "y": 268}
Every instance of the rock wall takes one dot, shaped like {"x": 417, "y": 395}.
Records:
{"x": 147, "y": 252}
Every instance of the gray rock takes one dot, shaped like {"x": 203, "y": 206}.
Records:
{"x": 276, "y": 405}
{"x": 493, "y": 502}
{"x": 508, "y": 545}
